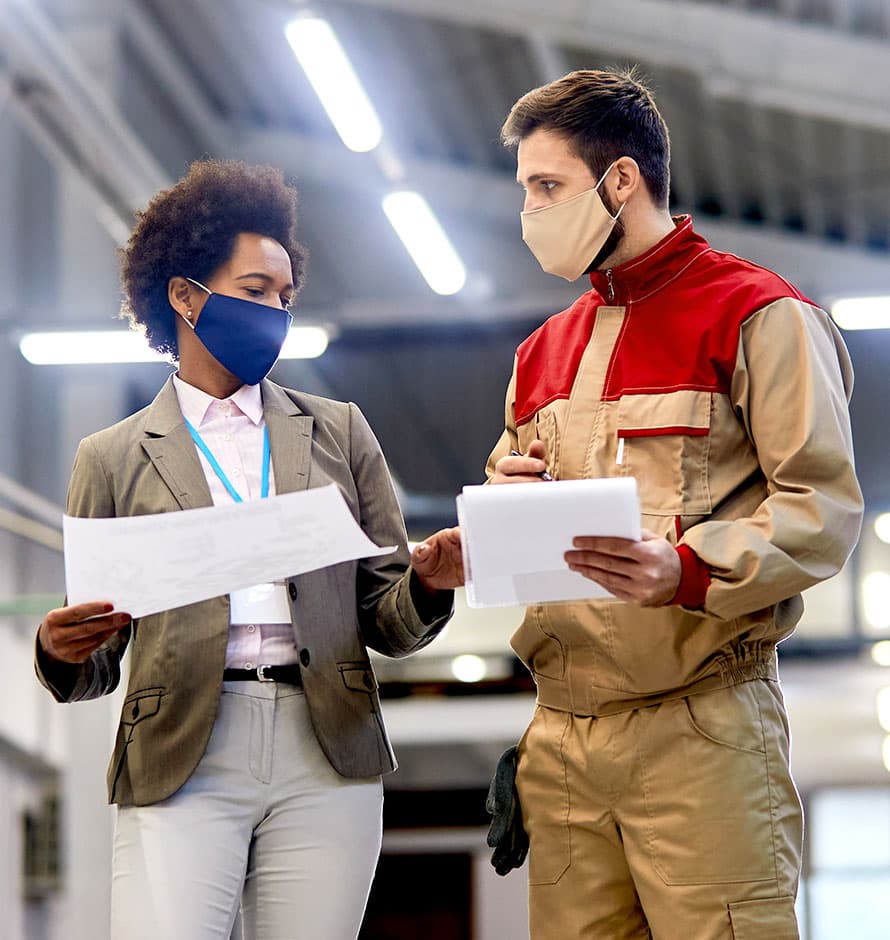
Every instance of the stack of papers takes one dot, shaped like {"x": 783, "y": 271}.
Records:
{"x": 515, "y": 536}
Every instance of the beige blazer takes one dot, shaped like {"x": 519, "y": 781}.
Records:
{"x": 147, "y": 464}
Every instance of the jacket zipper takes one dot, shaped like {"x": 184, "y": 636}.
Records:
{"x": 611, "y": 285}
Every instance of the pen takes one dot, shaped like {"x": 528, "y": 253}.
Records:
{"x": 544, "y": 475}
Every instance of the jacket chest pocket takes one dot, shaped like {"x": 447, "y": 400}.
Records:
{"x": 543, "y": 427}
{"x": 664, "y": 442}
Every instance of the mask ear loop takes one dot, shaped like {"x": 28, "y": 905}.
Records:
{"x": 191, "y": 280}
{"x": 600, "y": 183}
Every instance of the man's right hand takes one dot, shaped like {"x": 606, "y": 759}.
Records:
{"x": 69, "y": 635}
{"x": 522, "y": 468}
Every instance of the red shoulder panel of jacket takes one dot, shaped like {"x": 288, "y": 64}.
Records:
{"x": 684, "y": 335}
{"x": 546, "y": 362}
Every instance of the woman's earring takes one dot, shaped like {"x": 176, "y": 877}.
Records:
{"x": 188, "y": 313}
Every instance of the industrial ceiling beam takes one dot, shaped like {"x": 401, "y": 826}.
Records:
{"x": 739, "y": 55}
{"x": 50, "y": 79}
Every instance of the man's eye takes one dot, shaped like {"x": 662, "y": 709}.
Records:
{"x": 548, "y": 184}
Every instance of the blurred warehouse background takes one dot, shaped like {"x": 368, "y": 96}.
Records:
{"x": 420, "y": 288}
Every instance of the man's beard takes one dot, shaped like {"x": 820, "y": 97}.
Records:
{"x": 611, "y": 243}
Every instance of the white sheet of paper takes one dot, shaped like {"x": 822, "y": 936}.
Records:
{"x": 514, "y": 537}
{"x": 145, "y": 564}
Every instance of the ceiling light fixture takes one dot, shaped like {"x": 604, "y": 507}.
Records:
{"x": 323, "y": 59}
{"x": 862, "y": 313}
{"x": 86, "y": 347}
{"x": 469, "y": 668}
{"x": 880, "y": 652}
{"x": 883, "y": 706}
{"x": 305, "y": 342}
{"x": 876, "y": 599}
{"x": 108, "y": 347}
{"x": 425, "y": 240}
{"x": 882, "y": 527}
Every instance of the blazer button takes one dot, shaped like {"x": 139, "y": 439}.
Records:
{"x": 292, "y": 590}
{"x": 304, "y": 657}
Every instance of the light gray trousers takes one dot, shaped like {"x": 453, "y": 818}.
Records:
{"x": 264, "y": 822}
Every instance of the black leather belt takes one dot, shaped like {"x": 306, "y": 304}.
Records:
{"x": 289, "y": 674}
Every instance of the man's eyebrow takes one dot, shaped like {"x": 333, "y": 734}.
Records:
{"x": 535, "y": 177}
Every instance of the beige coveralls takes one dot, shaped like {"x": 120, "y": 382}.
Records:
{"x": 654, "y": 778}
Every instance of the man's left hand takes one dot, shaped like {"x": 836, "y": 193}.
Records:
{"x": 645, "y": 572}
{"x": 437, "y": 561}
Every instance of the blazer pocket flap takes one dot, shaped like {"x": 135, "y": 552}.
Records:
{"x": 358, "y": 676}
{"x": 139, "y": 705}
{"x": 681, "y": 412}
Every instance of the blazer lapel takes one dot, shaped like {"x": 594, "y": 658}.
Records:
{"x": 290, "y": 439}
{"x": 172, "y": 451}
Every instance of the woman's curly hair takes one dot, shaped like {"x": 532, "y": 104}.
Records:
{"x": 190, "y": 229}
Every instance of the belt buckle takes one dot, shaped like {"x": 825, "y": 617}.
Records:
{"x": 261, "y": 674}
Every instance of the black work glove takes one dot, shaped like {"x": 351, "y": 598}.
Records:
{"x": 505, "y": 834}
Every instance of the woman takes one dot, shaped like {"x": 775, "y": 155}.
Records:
{"x": 232, "y": 790}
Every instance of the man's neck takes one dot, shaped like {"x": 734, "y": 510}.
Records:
{"x": 642, "y": 232}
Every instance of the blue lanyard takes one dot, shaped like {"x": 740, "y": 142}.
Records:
{"x": 218, "y": 470}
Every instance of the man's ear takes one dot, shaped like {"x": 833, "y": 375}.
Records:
{"x": 628, "y": 178}
{"x": 179, "y": 293}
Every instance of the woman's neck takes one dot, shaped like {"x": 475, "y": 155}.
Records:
{"x": 219, "y": 384}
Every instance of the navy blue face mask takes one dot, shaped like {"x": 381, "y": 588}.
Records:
{"x": 243, "y": 336}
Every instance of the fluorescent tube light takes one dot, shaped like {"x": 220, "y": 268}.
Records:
{"x": 98, "y": 347}
{"x": 333, "y": 78}
{"x": 862, "y": 313}
{"x": 305, "y": 342}
{"x": 86, "y": 348}
{"x": 426, "y": 241}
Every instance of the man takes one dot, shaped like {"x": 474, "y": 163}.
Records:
{"x": 654, "y": 777}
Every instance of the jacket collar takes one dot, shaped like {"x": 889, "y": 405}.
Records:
{"x": 172, "y": 451}
{"x": 649, "y": 272}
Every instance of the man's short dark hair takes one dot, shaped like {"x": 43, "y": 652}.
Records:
{"x": 605, "y": 114}
{"x": 190, "y": 229}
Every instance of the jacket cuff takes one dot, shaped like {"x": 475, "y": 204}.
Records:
{"x": 430, "y": 607}
{"x": 695, "y": 578}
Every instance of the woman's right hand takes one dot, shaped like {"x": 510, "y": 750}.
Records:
{"x": 71, "y": 634}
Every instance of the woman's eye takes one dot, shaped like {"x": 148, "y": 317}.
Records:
{"x": 255, "y": 291}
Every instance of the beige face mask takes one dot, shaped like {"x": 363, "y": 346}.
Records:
{"x": 567, "y": 236}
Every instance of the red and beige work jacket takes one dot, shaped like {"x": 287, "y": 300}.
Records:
{"x": 724, "y": 392}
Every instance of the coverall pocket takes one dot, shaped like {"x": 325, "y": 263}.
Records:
{"x": 707, "y": 800}
{"x": 544, "y": 795}
{"x": 663, "y": 441}
{"x": 766, "y": 919}
{"x": 543, "y": 427}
